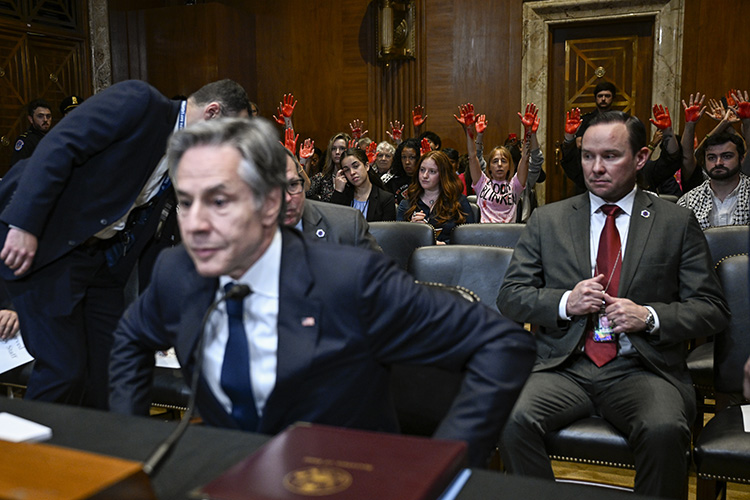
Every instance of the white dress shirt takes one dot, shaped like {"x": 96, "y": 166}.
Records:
{"x": 598, "y": 218}
{"x": 260, "y": 316}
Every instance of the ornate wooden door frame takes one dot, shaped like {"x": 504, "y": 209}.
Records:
{"x": 539, "y": 16}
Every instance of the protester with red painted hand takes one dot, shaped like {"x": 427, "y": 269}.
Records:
{"x": 286, "y": 109}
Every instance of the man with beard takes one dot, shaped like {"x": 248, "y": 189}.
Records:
{"x": 40, "y": 120}
{"x": 723, "y": 199}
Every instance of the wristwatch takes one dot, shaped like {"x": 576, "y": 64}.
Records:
{"x": 650, "y": 322}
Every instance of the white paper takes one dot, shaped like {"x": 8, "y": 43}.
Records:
{"x": 13, "y": 353}
{"x": 167, "y": 359}
{"x": 17, "y": 429}
{"x": 746, "y": 417}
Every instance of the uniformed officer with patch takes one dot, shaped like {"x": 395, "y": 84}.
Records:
{"x": 40, "y": 119}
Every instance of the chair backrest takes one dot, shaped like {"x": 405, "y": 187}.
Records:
{"x": 732, "y": 347}
{"x": 668, "y": 197}
{"x": 495, "y": 235}
{"x": 399, "y": 239}
{"x": 475, "y": 211}
{"x": 727, "y": 240}
{"x": 480, "y": 269}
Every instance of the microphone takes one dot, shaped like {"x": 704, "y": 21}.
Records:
{"x": 154, "y": 461}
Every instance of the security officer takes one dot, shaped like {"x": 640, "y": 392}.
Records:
{"x": 69, "y": 104}
{"x": 40, "y": 119}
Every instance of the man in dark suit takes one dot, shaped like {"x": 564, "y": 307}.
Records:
{"x": 78, "y": 214}
{"x": 319, "y": 220}
{"x": 323, "y": 322}
{"x": 613, "y": 350}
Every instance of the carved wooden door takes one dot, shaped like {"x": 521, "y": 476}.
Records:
{"x": 583, "y": 56}
{"x": 43, "y": 54}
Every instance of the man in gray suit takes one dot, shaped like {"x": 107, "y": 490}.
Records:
{"x": 319, "y": 220}
{"x": 612, "y": 331}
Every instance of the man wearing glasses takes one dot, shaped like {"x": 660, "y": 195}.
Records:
{"x": 320, "y": 220}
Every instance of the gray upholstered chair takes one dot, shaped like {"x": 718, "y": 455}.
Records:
{"x": 399, "y": 239}
{"x": 480, "y": 269}
{"x": 490, "y": 234}
{"x": 722, "y": 451}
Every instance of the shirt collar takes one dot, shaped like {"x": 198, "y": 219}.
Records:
{"x": 625, "y": 203}
{"x": 263, "y": 276}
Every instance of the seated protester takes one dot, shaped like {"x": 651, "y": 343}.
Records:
{"x": 452, "y": 155}
{"x": 321, "y": 184}
{"x": 723, "y": 199}
{"x": 359, "y": 187}
{"x": 498, "y": 189}
{"x": 384, "y": 161}
{"x": 666, "y": 155}
{"x": 404, "y": 165}
{"x": 434, "y": 197}
{"x": 432, "y": 138}
{"x": 465, "y": 174}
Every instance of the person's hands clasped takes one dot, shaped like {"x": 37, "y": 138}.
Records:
{"x": 8, "y": 324}
{"x": 19, "y": 250}
{"x": 587, "y": 296}
{"x": 624, "y": 315}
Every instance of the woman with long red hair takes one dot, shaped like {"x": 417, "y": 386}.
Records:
{"x": 435, "y": 197}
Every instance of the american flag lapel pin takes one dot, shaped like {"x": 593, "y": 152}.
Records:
{"x": 308, "y": 321}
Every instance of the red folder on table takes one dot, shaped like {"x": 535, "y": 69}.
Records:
{"x": 336, "y": 464}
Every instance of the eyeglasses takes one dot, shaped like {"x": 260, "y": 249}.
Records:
{"x": 295, "y": 187}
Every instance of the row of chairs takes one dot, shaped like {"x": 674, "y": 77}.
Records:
{"x": 482, "y": 269}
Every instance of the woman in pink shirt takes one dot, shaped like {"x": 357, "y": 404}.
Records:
{"x": 499, "y": 188}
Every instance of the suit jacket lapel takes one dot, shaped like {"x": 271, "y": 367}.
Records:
{"x": 580, "y": 232}
{"x": 298, "y": 329}
{"x": 312, "y": 222}
{"x": 641, "y": 221}
{"x": 200, "y": 295}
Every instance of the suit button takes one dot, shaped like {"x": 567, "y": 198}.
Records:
{"x": 103, "y": 222}
{"x": 72, "y": 243}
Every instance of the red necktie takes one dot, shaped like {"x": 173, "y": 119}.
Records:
{"x": 608, "y": 263}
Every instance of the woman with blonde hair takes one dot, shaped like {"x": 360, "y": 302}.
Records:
{"x": 321, "y": 184}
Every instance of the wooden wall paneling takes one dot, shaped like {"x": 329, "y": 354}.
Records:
{"x": 191, "y": 45}
{"x": 473, "y": 55}
{"x": 715, "y": 58}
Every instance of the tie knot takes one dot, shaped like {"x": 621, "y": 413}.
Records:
{"x": 234, "y": 301}
{"x": 611, "y": 210}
